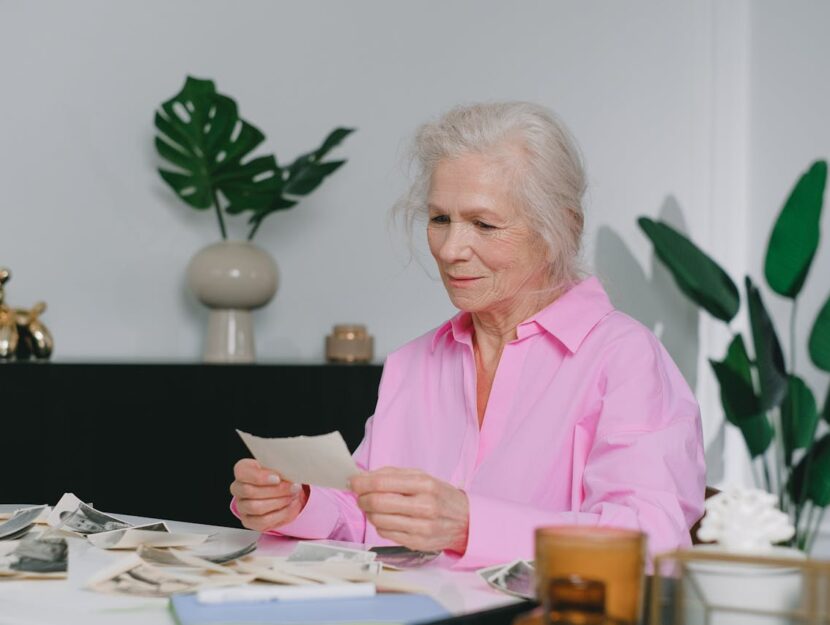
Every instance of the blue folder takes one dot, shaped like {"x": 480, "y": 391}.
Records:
{"x": 387, "y": 608}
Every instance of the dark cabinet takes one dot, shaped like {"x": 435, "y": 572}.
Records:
{"x": 158, "y": 439}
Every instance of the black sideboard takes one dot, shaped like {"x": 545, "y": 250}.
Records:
{"x": 158, "y": 439}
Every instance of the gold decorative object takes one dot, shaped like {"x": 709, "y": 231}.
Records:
{"x": 349, "y": 343}
{"x": 22, "y": 334}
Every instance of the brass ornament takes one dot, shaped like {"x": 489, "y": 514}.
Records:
{"x": 22, "y": 334}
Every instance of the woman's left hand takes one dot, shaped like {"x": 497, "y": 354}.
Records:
{"x": 414, "y": 509}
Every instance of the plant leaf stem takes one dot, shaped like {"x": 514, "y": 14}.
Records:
{"x": 218, "y": 208}
{"x": 815, "y": 530}
{"x": 254, "y": 229}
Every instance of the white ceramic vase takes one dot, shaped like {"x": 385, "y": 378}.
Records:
{"x": 232, "y": 278}
{"x": 723, "y": 593}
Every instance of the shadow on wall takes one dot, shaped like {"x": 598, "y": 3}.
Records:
{"x": 654, "y": 300}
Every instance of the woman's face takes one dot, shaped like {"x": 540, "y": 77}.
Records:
{"x": 489, "y": 258}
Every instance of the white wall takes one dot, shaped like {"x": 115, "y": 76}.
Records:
{"x": 789, "y": 129}
{"x": 88, "y": 225}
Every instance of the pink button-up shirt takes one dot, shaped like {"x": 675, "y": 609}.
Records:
{"x": 589, "y": 422}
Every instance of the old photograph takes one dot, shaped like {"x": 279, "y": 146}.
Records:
{"x": 516, "y": 578}
{"x": 395, "y": 556}
{"x": 20, "y": 522}
{"x": 34, "y": 557}
{"x": 133, "y": 576}
{"x": 310, "y": 552}
{"x": 87, "y": 520}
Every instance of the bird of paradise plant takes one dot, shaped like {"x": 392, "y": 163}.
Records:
{"x": 761, "y": 393}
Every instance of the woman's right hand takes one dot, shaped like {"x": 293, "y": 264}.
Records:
{"x": 263, "y": 499}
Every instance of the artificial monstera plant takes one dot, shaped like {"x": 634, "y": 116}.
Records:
{"x": 761, "y": 392}
{"x": 209, "y": 148}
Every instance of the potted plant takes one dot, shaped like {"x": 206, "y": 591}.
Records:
{"x": 761, "y": 392}
{"x": 209, "y": 149}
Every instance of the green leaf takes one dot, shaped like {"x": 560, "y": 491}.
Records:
{"x": 768, "y": 355}
{"x": 198, "y": 196}
{"x": 310, "y": 177}
{"x": 740, "y": 403}
{"x": 794, "y": 238}
{"x": 819, "y": 342}
{"x": 818, "y": 479}
{"x": 697, "y": 275}
{"x": 201, "y": 134}
{"x": 278, "y": 203}
{"x": 250, "y": 186}
{"x": 307, "y": 172}
{"x": 799, "y": 417}
{"x": 334, "y": 139}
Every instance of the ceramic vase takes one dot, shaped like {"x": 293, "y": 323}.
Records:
{"x": 232, "y": 278}
{"x": 723, "y": 593}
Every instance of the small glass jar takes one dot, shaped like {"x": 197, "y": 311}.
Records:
{"x": 349, "y": 343}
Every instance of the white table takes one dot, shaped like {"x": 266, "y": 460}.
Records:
{"x": 66, "y": 602}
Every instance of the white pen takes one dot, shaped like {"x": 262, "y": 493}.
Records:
{"x": 248, "y": 594}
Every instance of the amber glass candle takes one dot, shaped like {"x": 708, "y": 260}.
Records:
{"x": 613, "y": 557}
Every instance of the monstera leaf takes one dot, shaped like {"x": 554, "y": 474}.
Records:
{"x": 303, "y": 176}
{"x": 208, "y": 148}
{"x": 741, "y": 405}
{"x": 201, "y": 135}
{"x": 794, "y": 238}
{"x": 697, "y": 275}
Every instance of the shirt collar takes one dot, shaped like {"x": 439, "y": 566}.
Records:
{"x": 569, "y": 318}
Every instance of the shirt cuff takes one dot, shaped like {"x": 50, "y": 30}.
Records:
{"x": 502, "y": 531}
{"x": 318, "y": 518}
{"x": 491, "y": 536}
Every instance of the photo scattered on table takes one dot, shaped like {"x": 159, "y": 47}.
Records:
{"x": 403, "y": 557}
{"x": 44, "y": 515}
{"x": 87, "y": 520}
{"x": 133, "y": 576}
{"x": 179, "y": 558}
{"x": 516, "y": 578}
{"x": 20, "y": 522}
{"x": 114, "y": 538}
{"x": 313, "y": 552}
{"x": 34, "y": 557}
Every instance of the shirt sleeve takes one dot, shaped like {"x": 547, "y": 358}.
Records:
{"x": 643, "y": 466}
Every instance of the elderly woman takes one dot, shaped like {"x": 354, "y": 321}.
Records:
{"x": 538, "y": 404}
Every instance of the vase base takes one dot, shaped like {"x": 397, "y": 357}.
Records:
{"x": 230, "y": 337}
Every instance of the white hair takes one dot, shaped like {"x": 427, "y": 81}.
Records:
{"x": 537, "y": 152}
